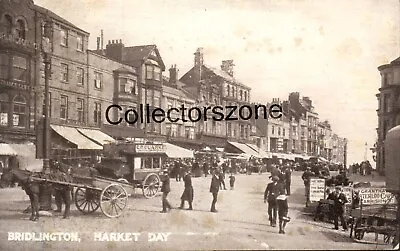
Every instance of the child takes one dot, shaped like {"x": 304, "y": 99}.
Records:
{"x": 232, "y": 181}
{"x": 282, "y": 212}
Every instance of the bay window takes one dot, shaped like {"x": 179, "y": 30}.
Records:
{"x": 19, "y": 69}
{"x": 19, "y": 111}
{"x": 153, "y": 72}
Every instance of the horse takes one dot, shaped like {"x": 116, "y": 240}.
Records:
{"x": 32, "y": 188}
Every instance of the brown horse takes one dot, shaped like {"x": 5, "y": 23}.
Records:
{"x": 32, "y": 187}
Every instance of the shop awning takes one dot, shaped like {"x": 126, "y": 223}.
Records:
{"x": 174, "y": 151}
{"x": 323, "y": 159}
{"x": 244, "y": 148}
{"x": 97, "y": 136}
{"x": 72, "y": 135}
{"x": 6, "y": 149}
{"x": 220, "y": 149}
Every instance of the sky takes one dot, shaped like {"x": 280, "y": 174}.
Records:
{"x": 328, "y": 50}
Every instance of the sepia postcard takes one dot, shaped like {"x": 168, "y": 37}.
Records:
{"x": 199, "y": 125}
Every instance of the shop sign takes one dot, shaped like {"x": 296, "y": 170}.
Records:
{"x": 376, "y": 195}
{"x": 149, "y": 148}
{"x": 14, "y": 84}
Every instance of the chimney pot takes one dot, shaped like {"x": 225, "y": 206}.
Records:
{"x": 120, "y": 41}
{"x": 109, "y": 41}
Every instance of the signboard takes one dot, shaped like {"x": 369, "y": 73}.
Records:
{"x": 376, "y": 195}
{"x": 317, "y": 189}
{"x": 149, "y": 148}
{"x": 348, "y": 191}
{"x": 14, "y": 84}
{"x": 4, "y": 119}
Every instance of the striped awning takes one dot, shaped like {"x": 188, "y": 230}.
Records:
{"x": 97, "y": 136}
{"x": 174, "y": 151}
{"x": 74, "y": 136}
{"x": 244, "y": 148}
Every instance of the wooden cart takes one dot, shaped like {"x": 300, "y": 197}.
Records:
{"x": 92, "y": 193}
{"x": 378, "y": 219}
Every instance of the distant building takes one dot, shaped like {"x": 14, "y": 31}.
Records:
{"x": 389, "y": 107}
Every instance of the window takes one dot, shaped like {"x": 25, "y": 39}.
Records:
{"x": 4, "y": 106}
{"x": 156, "y": 102}
{"x": 241, "y": 94}
{"x": 79, "y": 43}
{"x": 128, "y": 86}
{"x": 80, "y": 75}
{"x": 4, "y": 65}
{"x": 97, "y": 113}
{"x": 64, "y": 72}
{"x": 386, "y": 107}
{"x": 279, "y": 131}
{"x": 284, "y": 132}
{"x": 228, "y": 90}
{"x": 168, "y": 130}
{"x": 64, "y": 107}
{"x": 132, "y": 117}
{"x": 98, "y": 77}
{"x": 187, "y": 132}
{"x": 80, "y": 109}
{"x": 153, "y": 72}
{"x": 19, "y": 111}
{"x": 44, "y": 107}
{"x": 64, "y": 37}
{"x": 245, "y": 96}
{"x": 273, "y": 129}
{"x": 8, "y": 24}
{"x": 19, "y": 70}
{"x": 157, "y": 73}
{"x": 21, "y": 29}
{"x": 294, "y": 130}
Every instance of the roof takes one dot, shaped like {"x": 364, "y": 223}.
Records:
{"x": 136, "y": 54}
{"x": 177, "y": 91}
{"x": 220, "y": 73}
{"x": 56, "y": 17}
{"x": 124, "y": 69}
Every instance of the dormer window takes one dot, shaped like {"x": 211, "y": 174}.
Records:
{"x": 21, "y": 29}
{"x": 153, "y": 72}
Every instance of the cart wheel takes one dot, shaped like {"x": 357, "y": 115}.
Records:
{"x": 359, "y": 234}
{"x": 151, "y": 185}
{"x": 113, "y": 200}
{"x": 86, "y": 200}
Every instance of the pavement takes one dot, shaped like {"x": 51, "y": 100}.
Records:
{"x": 241, "y": 223}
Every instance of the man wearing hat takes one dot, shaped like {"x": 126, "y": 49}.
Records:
{"x": 273, "y": 190}
{"x": 340, "y": 200}
{"x": 165, "y": 189}
{"x": 187, "y": 194}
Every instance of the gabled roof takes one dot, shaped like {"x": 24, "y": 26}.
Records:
{"x": 54, "y": 16}
{"x": 137, "y": 54}
{"x": 219, "y": 73}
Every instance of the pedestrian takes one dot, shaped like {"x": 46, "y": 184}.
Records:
{"x": 288, "y": 179}
{"x": 283, "y": 210}
{"x": 205, "y": 168}
{"x": 338, "y": 208}
{"x": 222, "y": 179}
{"x": 165, "y": 189}
{"x": 306, "y": 179}
{"x": 214, "y": 189}
{"x": 232, "y": 181}
{"x": 187, "y": 194}
{"x": 273, "y": 190}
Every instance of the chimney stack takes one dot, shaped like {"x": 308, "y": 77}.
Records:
{"x": 102, "y": 40}
{"x": 227, "y": 66}
{"x": 98, "y": 43}
{"x": 198, "y": 57}
{"x": 173, "y": 74}
{"x": 114, "y": 49}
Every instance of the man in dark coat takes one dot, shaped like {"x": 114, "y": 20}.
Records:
{"x": 165, "y": 189}
{"x": 222, "y": 179}
{"x": 187, "y": 194}
{"x": 283, "y": 210}
{"x": 273, "y": 190}
{"x": 214, "y": 189}
{"x": 306, "y": 179}
{"x": 340, "y": 200}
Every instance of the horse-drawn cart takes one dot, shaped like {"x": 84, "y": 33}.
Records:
{"x": 92, "y": 193}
